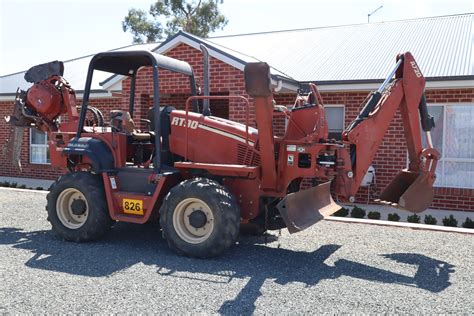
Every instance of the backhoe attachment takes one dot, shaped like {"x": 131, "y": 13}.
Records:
{"x": 412, "y": 189}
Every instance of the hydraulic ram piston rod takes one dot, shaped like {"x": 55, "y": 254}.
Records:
{"x": 375, "y": 97}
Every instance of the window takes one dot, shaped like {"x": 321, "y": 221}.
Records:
{"x": 453, "y": 136}
{"x": 39, "y": 152}
{"x": 335, "y": 118}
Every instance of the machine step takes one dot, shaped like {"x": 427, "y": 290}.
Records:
{"x": 135, "y": 180}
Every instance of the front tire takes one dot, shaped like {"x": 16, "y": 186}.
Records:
{"x": 77, "y": 207}
{"x": 200, "y": 218}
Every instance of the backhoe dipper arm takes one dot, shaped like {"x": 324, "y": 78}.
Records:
{"x": 366, "y": 132}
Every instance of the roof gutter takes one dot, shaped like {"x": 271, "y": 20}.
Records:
{"x": 459, "y": 82}
{"x": 367, "y": 81}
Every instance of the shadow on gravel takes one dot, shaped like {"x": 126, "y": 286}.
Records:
{"x": 128, "y": 244}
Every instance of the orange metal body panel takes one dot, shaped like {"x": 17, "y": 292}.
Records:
{"x": 151, "y": 204}
{"x": 117, "y": 143}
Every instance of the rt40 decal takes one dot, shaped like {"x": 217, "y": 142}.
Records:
{"x": 180, "y": 121}
{"x": 416, "y": 70}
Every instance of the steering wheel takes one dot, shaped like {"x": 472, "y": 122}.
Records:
{"x": 94, "y": 116}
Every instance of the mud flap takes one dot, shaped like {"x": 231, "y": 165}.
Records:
{"x": 412, "y": 191}
{"x": 12, "y": 148}
{"x": 302, "y": 209}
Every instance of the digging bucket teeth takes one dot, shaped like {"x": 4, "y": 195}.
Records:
{"x": 302, "y": 209}
{"x": 411, "y": 191}
{"x": 17, "y": 123}
{"x": 12, "y": 148}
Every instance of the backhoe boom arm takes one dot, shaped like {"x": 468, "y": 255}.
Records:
{"x": 365, "y": 135}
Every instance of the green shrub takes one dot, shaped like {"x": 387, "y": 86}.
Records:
{"x": 468, "y": 223}
{"x": 393, "y": 217}
{"x": 343, "y": 212}
{"x": 450, "y": 221}
{"x": 374, "y": 215}
{"x": 358, "y": 212}
{"x": 430, "y": 220}
{"x": 413, "y": 218}
{"x": 5, "y": 184}
{"x": 39, "y": 188}
{"x": 13, "y": 185}
{"x": 23, "y": 186}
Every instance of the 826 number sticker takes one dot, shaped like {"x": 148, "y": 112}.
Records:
{"x": 132, "y": 206}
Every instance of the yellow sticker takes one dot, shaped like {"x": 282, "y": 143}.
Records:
{"x": 134, "y": 207}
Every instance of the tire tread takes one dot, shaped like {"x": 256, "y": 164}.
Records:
{"x": 98, "y": 223}
{"x": 230, "y": 217}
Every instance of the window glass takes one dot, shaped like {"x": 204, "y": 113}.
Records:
{"x": 458, "y": 174}
{"x": 37, "y": 137}
{"x": 39, "y": 151}
{"x": 453, "y": 137}
{"x": 459, "y": 133}
{"x": 335, "y": 119}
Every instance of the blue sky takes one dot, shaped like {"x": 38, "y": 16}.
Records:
{"x": 33, "y": 32}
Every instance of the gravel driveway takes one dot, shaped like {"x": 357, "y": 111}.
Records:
{"x": 331, "y": 267}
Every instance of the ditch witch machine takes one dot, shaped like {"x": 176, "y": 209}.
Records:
{"x": 205, "y": 176}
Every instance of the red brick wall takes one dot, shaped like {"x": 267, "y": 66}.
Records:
{"x": 224, "y": 79}
{"x": 175, "y": 88}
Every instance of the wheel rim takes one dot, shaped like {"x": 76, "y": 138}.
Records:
{"x": 183, "y": 225}
{"x": 64, "y": 208}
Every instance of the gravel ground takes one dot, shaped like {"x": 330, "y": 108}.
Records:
{"x": 329, "y": 268}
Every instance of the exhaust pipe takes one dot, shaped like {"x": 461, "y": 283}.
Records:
{"x": 206, "y": 111}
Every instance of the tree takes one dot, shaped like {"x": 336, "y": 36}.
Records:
{"x": 170, "y": 16}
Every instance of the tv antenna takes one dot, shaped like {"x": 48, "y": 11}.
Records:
{"x": 372, "y": 13}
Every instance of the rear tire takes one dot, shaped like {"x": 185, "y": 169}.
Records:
{"x": 200, "y": 218}
{"x": 77, "y": 207}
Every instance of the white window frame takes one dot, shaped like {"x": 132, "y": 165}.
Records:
{"x": 38, "y": 146}
{"x": 443, "y": 159}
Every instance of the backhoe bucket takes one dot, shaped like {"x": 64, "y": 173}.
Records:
{"x": 412, "y": 191}
{"x": 302, "y": 209}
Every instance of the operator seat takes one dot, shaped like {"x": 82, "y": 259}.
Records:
{"x": 141, "y": 143}
{"x": 165, "y": 129}
{"x": 121, "y": 121}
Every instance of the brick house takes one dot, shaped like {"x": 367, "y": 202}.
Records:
{"x": 346, "y": 62}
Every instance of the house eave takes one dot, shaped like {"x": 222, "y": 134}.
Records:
{"x": 94, "y": 94}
